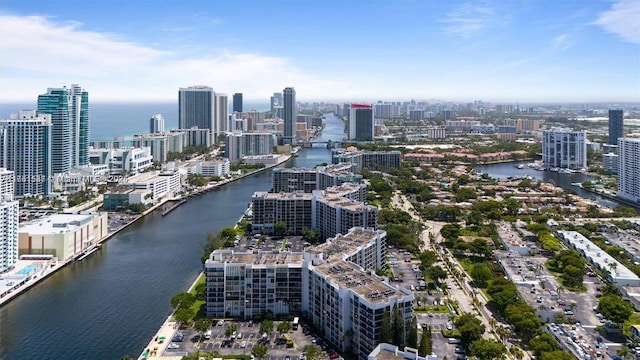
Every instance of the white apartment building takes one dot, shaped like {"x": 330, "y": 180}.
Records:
{"x": 7, "y": 182}
{"x": 333, "y": 210}
{"x": 62, "y": 235}
{"x": 161, "y": 184}
{"x": 334, "y": 285}
{"x": 610, "y": 162}
{"x": 9, "y": 220}
{"x": 239, "y": 144}
{"x": 25, "y": 148}
{"x": 629, "y": 169}
{"x": 214, "y": 168}
{"x": 127, "y": 160}
{"x": 564, "y": 148}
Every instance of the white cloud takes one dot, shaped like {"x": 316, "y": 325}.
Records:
{"x": 562, "y": 42}
{"x": 469, "y": 19}
{"x": 37, "y": 52}
{"x": 623, "y": 19}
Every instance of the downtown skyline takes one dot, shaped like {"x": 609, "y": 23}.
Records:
{"x": 526, "y": 51}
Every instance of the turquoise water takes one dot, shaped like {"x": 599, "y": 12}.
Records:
{"x": 27, "y": 270}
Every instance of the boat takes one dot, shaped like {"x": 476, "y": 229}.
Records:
{"x": 521, "y": 166}
{"x": 564, "y": 171}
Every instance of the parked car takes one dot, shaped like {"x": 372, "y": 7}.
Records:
{"x": 173, "y": 346}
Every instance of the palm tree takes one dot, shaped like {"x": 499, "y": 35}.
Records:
{"x": 613, "y": 266}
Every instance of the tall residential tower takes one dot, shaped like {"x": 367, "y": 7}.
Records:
{"x": 361, "y": 122}
{"x": 616, "y": 129}
{"x": 237, "y": 102}
{"x": 289, "y": 116}
{"x": 156, "y": 124}
{"x": 564, "y": 148}
{"x": 196, "y": 108}
{"x": 25, "y": 148}
{"x": 69, "y": 110}
{"x": 629, "y": 168}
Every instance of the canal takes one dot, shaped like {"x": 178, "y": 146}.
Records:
{"x": 504, "y": 170}
{"x": 110, "y": 304}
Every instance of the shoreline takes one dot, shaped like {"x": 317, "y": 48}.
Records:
{"x": 167, "y": 330}
{"x": 169, "y": 327}
{"x": 50, "y": 270}
{"x": 608, "y": 196}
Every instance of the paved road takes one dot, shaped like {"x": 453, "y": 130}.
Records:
{"x": 460, "y": 289}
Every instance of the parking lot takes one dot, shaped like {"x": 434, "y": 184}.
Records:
{"x": 247, "y": 336}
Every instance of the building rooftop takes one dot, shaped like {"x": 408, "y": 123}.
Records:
{"x": 57, "y": 223}
{"x": 598, "y": 256}
{"x": 258, "y": 257}
{"x": 147, "y": 177}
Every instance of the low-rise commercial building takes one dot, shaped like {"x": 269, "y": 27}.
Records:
{"x": 126, "y": 160}
{"x": 619, "y": 274}
{"x": 64, "y": 236}
{"x": 386, "y": 351}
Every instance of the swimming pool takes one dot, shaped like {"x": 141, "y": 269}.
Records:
{"x": 27, "y": 270}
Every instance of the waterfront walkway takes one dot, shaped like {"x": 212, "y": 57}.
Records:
{"x": 158, "y": 344}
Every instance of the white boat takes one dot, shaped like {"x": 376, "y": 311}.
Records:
{"x": 521, "y": 166}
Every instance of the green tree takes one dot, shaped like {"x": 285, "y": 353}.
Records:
{"x": 197, "y": 180}
{"x": 260, "y": 351}
{"x": 470, "y": 328}
{"x": 517, "y": 352}
{"x": 202, "y": 325}
{"x": 212, "y": 242}
{"x": 227, "y": 236}
{"x": 436, "y": 273}
{"x": 231, "y": 329}
{"x": 426, "y": 344}
{"x": 488, "y": 350}
{"x": 284, "y": 327}
{"x": 313, "y": 236}
{"x": 397, "y": 325}
{"x": 385, "y": 328}
{"x": 543, "y": 343}
{"x": 280, "y": 228}
{"x": 311, "y": 352}
{"x": 266, "y": 326}
{"x": 615, "y": 309}
{"x": 182, "y": 300}
{"x": 183, "y": 316}
{"x": 412, "y": 333}
{"x": 481, "y": 274}
{"x": 450, "y": 231}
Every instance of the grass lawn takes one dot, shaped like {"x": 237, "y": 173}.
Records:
{"x": 433, "y": 309}
{"x": 199, "y": 308}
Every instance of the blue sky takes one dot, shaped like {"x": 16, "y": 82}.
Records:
{"x": 508, "y": 50}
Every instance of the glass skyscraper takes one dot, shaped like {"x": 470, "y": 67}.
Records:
{"x": 69, "y": 110}
{"x": 289, "y": 95}
{"x": 615, "y": 126}
{"x": 196, "y": 108}
{"x": 237, "y": 102}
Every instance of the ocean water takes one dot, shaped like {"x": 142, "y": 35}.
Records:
{"x": 121, "y": 119}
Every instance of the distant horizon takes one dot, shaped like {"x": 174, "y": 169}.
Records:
{"x": 416, "y": 99}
